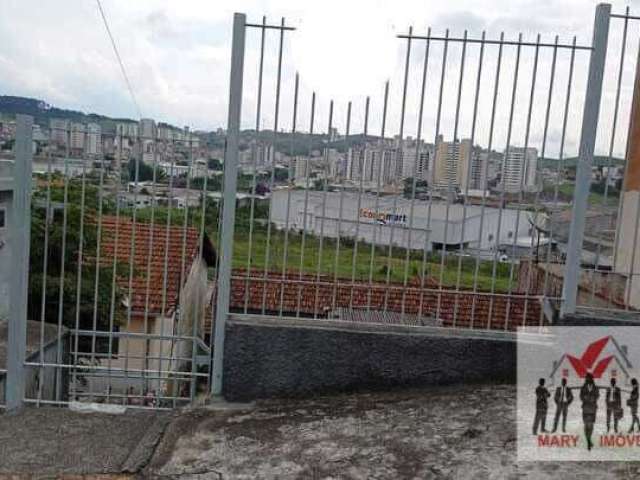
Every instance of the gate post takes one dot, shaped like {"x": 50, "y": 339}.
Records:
{"x": 228, "y": 199}
{"x": 585, "y": 157}
{"x": 20, "y": 237}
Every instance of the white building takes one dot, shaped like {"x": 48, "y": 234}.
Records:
{"x": 300, "y": 169}
{"x": 127, "y": 129}
{"x": 93, "y": 144}
{"x": 452, "y": 163}
{"x": 59, "y": 131}
{"x": 519, "y": 169}
{"x": 77, "y": 134}
{"x": 372, "y": 164}
{"x": 387, "y": 219}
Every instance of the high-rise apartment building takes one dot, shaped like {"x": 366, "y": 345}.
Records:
{"x": 59, "y": 131}
{"x": 93, "y": 144}
{"x": 452, "y": 163}
{"x": 519, "y": 169}
{"x": 77, "y": 137}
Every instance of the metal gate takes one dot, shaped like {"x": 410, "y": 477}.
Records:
{"x": 445, "y": 201}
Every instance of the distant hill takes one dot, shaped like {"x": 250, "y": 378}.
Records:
{"x": 572, "y": 162}
{"x": 42, "y": 112}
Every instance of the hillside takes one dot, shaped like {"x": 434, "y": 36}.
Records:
{"x": 42, "y": 112}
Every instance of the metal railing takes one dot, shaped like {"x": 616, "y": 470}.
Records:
{"x": 448, "y": 201}
{"x": 123, "y": 219}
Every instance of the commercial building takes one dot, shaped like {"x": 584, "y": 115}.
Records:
{"x": 389, "y": 220}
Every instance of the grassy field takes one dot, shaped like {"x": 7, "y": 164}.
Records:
{"x": 566, "y": 192}
{"x": 384, "y": 266}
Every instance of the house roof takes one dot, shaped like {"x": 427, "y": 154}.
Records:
{"x": 313, "y": 296}
{"x": 162, "y": 251}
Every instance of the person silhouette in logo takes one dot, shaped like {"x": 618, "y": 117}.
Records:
{"x": 589, "y": 396}
{"x": 614, "y": 405}
{"x": 542, "y": 394}
{"x": 563, "y": 397}
{"x": 632, "y": 402}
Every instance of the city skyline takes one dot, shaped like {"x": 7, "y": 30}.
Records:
{"x": 178, "y": 58}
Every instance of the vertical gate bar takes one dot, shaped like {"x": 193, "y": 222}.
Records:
{"x": 206, "y": 300}
{"x": 375, "y": 228}
{"x": 585, "y": 157}
{"x": 409, "y": 238}
{"x": 306, "y": 203}
{"x": 255, "y": 164}
{"x": 324, "y": 213}
{"x": 399, "y": 166}
{"x": 559, "y": 169}
{"x": 148, "y": 269}
{"x": 43, "y": 305}
{"x": 229, "y": 198}
{"x": 340, "y": 209}
{"x": 20, "y": 236}
{"x": 543, "y": 148}
{"x": 455, "y": 139}
{"x": 63, "y": 262}
{"x": 83, "y": 193}
{"x": 534, "y": 75}
{"x": 494, "y": 270}
{"x": 496, "y": 88}
{"x": 114, "y": 265}
{"x": 425, "y": 250}
{"x": 474, "y": 120}
{"x": 285, "y": 255}
{"x": 443, "y": 74}
{"x": 365, "y": 131}
{"x": 272, "y": 154}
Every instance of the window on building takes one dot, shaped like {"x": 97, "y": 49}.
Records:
{"x": 3, "y": 217}
{"x": 491, "y": 237}
{"x": 510, "y": 235}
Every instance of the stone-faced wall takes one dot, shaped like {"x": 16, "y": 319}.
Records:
{"x": 292, "y": 359}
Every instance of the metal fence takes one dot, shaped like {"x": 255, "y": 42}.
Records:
{"x": 114, "y": 249}
{"x": 460, "y": 197}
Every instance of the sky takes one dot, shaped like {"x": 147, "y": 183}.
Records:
{"x": 177, "y": 55}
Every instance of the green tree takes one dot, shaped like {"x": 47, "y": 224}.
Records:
{"x": 215, "y": 164}
{"x": 57, "y": 290}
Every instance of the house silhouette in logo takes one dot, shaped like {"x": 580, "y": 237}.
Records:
{"x": 604, "y": 358}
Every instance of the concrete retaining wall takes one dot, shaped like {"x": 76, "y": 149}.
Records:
{"x": 275, "y": 358}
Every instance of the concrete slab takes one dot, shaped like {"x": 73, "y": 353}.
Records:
{"x": 57, "y": 441}
{"x": 456, "y": 432}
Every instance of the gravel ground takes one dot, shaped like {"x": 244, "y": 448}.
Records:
{"x": 464, "y": 432}
{"x": 44, "y": 442}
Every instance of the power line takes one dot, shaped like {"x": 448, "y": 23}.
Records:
{"x": 122, "y": 69}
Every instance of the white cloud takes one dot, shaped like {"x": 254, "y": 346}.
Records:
{"x": 177, "y": 55}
